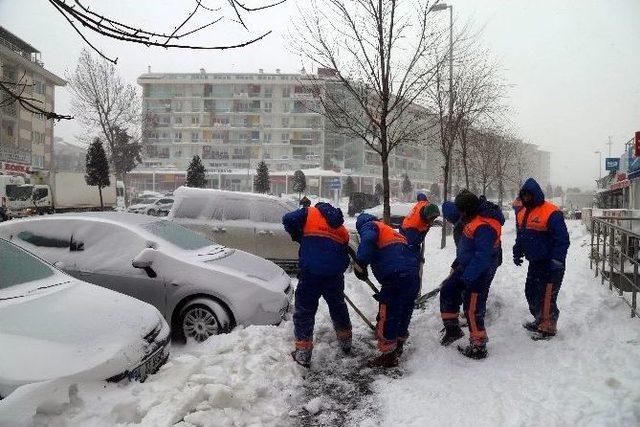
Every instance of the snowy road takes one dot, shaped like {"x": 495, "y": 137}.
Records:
{"x": 588, "y": 375}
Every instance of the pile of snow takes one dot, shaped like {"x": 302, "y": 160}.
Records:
{"x": 588, "y": 374}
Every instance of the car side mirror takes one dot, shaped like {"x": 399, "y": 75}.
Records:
{"x": 144, "y": 260}
{"x": 76, "y": 245}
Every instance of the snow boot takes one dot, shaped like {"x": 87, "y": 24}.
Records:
{"x": 400, "y": 348}
{"x": 385, "y": 360}
{"x": 450, "y": 334}
{"x": 473, "y": 351}
{"x": 302, "y": 357}
{"x": 345, "y": 345}
{"x": 530, "y": 326}
{"x": 542, "y": 335}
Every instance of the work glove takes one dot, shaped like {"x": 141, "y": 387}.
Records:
{"x": 517, "y": 260}
{"x": 556, "y": 271}
{"x": 360, "y": 271}
{"x": 296, "y": 237}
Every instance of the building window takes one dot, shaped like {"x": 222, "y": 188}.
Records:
{"x": 39, "y": 87}
{"x": 37, "y": 161}
{"x": 195, "y": 120}
{"x": 195, "y": 136}
{"x": 267, "y": 106}
{"x": 285, "y": 122}
{"x": 286, "y": 92}
{"x": 268, "y": 92}
{"x": 178, "y": 136}
{"x": 178, "y": 120}
{"x": 285, "y": 138}
{"x": 37, "y": 137}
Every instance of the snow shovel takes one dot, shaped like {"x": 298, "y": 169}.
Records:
{"x": 422, "y": 300}
{"x": 359, "y": 313}
{"x": 368, "y": 281}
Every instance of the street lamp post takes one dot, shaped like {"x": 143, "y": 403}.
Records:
{"x": 436, "y": 8}
{"x": 599, "y": 163}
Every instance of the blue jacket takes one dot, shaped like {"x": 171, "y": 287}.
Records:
{"x": 318, "y": 255}
{"x": 536, "y": 245}
{"x": 387, "y": 262}
{"x": 451, "y": 214}
{"x": 477, "y": 253}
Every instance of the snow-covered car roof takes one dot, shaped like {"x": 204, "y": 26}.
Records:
{"x": 210, "y": 192}
{"x": 204, "y": 201}
{"x": 397, "y": 209}
{"x": 139, "y": 224}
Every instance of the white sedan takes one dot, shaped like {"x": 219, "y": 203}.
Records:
{"x": 53, "y": 326}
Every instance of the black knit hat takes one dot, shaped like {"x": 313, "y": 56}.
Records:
{"x": 305, "y": 202}
{"x": 467, "y": 203}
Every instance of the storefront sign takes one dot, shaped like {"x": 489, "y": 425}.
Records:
{"x": 612, "y": 163}
{"x": 15, "y": 168}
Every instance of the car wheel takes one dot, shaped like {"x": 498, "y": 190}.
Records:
{"x": 151, "y": 212}
{"x": 202, "y": 318}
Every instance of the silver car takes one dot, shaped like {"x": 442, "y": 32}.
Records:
{"x": 53, "y": 326}
{"x": 201, "y": 288}
{"x": 246, "y": 221}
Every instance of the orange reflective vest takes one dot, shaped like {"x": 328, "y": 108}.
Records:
{"x": 317, "y": 226}
{"x": 471, "y": 227}
{"x": 414, "y": 220}
{"x": 537, "y": 218}
{"x": 387, "y": 235}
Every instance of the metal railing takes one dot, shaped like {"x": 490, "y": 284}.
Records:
{"x": 615, "y": 256}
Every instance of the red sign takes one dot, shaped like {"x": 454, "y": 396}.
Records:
{"x": 637, "y": 146}
{"x": 16, "y": 168}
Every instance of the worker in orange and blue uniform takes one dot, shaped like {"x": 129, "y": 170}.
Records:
{"x": 322, "y": 260}
{"x": 395, "y": 265}
{"x": 417, "y": 223}
{"x": 542, "y": 238}
{"x": 478, "y": 255}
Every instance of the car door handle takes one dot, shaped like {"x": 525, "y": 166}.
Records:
{"x": 262, "y": 232}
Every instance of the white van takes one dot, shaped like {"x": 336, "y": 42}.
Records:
{"x": 246, "y": 221}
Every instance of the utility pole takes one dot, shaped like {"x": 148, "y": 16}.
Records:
{"x": 609, "y": 144}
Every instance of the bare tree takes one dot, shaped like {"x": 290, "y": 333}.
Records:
{"x": 506, "y": 151}
{"x": 105, "y": 104}
{"x": 82, "y": 19}
{"x": 371, "y": 58}
{"x": 479, "y": 96}
{"x": 483, "y": 146}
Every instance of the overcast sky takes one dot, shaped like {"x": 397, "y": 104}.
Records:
{"x": 574, "y": 66}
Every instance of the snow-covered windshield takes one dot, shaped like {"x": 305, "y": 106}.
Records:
{"x": 18, "y": 266}
{"x": 177, "y": 235}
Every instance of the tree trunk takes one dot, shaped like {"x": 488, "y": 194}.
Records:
{"x": 465, "y": 167}
{"x": 386, "y": 208}
{"x": 445, "y": 197}
{"x": 101, "y": 202}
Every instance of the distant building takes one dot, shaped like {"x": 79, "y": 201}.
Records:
{"x": 235, "y": 120}
{"x": 26, "y": 138}
{"x": 68, "y": 157}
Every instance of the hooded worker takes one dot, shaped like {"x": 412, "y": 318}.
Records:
{"x": 478, "y": 255}
{"x": 322, "y": 260}
{"x": 542, "y": 239}
{"x": 417, "y": 223}
{"x": 395, "y": 265}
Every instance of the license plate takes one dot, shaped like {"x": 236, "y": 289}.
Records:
{"x": 150, "y": 366}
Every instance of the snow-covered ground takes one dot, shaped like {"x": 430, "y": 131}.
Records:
{"x": 588, "y": 375}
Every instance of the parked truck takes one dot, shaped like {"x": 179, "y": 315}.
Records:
{"x": 68, "y": 192}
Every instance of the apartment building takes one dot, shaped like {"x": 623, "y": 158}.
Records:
{"x": 235, "y": 120}
{"x": 26, "y": 138}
